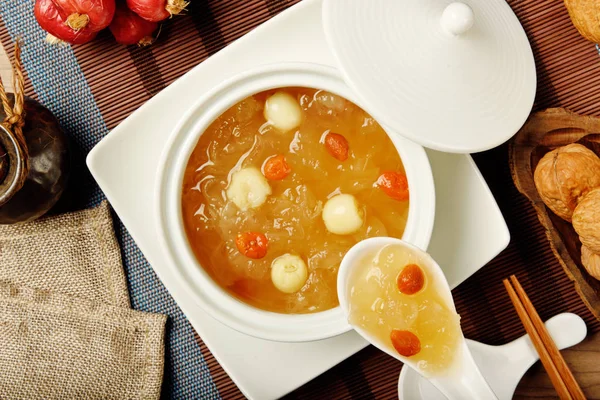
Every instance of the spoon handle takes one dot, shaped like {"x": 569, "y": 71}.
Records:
{"x": 467, "y": 383}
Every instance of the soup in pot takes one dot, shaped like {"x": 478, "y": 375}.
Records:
{"x": 279, "y": 188}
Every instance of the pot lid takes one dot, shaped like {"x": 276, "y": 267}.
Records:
{"x": 456, "y": 77}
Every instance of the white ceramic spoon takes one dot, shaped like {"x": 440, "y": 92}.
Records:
{"x": 502, "y": 366}
{"x": 464, "y": 381}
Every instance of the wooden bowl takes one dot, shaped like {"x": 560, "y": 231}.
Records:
{"x": 543, "y": 132}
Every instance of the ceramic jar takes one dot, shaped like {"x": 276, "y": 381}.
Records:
{"x": 32, "y": 179}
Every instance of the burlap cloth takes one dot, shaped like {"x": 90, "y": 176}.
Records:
{"x": 75, "y": 254}
{"x": 66, "y": 329}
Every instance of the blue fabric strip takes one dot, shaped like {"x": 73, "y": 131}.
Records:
{"x": 60, "y": 85}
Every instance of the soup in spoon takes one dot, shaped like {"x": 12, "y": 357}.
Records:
{"x": 394, "y": 297}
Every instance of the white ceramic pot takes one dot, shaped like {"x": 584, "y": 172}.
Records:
{"x": 210, "y": 296}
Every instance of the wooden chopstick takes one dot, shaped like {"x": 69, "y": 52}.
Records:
{"x": 560, "y": 375}
{"x": 555, "y": 378}
{"x": 555, "y": 355}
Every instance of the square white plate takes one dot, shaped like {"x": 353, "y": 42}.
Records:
{"x": 469, "y": 229}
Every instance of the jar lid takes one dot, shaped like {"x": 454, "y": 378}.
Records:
{"x": 456, "y": 77}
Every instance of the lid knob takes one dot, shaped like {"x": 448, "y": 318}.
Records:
{"x": 457, "y": 18}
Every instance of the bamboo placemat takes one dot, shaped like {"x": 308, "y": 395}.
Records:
{"x": 120, "y": 79}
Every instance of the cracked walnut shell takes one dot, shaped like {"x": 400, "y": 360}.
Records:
{"x": 591, "y": 262}
{"x": 565, "y": 175}
{"x": 586, "y": 220}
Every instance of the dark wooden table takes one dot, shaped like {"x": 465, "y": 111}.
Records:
{"x": 584, "y": 361}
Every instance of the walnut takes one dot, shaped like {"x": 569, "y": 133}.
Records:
{"x": 564, "y": 175}
{"x": 586, "y": 220}
{"x": 591, "y": 262}
{"x": 584, "y": 15}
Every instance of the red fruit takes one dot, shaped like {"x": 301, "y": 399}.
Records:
{"x": 406, "y": 343}
{"x": 156, "y": 10}
{"x": 394, "y": 184}
{"x": 129, "y": 28}
{"x": 337, "y": 146}
{"x": 275, "y": 168}
{"x": 74, "y": 21}
{"x": 252, "y": 244}
{"x": 411, "y": 279}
